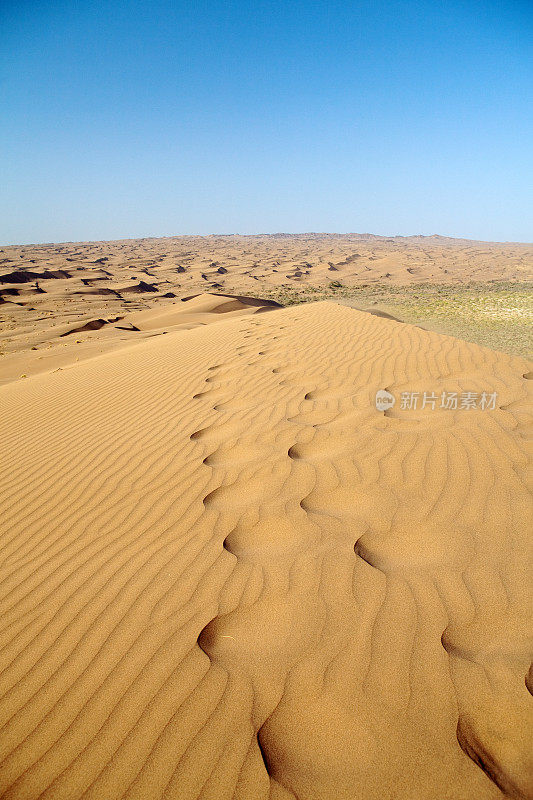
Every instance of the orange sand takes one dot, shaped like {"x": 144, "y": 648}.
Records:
{"x": 225, "y": 575}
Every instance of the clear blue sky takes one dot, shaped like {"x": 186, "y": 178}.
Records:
{"x": 128, "y": 119}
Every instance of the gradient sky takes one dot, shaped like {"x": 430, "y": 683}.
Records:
{"x": 129, "y": 119}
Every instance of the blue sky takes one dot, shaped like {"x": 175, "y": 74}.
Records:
{"x": 129, "y": 119}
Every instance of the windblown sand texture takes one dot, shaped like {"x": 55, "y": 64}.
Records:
{"x": 225, "y": 575}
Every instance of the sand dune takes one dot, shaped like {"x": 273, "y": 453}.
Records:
{"x": 47, "y": 290}
{"x": 225, "y": 574}
{"x": 292, "y": 260}
{"x": 107, "y": 333}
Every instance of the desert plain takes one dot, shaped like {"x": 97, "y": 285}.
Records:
{"x": 225, "y": 572}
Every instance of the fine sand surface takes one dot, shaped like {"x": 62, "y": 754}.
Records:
{"x": 64, "y": 344}
{"x": 225, "y": 574}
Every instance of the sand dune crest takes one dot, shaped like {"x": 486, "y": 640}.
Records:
{"x": 225, "y": 574}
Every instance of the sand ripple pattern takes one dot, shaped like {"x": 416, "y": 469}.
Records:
{"x": 225, "y": 575}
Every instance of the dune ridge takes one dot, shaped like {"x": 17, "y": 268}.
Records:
{"x": 225, "y": 574}
{"x": 48, "y": 289}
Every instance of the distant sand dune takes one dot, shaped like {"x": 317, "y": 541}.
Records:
{"x": 224, "y": 574}
{"x": 86, "y": 281}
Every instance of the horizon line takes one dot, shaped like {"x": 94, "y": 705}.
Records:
{"x": 277, "y": 234}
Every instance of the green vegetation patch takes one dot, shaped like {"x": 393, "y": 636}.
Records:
{"x": 496, "y": 314}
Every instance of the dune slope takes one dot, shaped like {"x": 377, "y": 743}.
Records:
{"x": 56, "y": 345}
{"x": 225, "y": 574}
